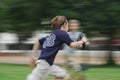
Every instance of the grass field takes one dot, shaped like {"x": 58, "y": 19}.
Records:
{"x": 19, "y": 72}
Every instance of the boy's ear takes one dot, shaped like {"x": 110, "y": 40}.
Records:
{"x": 64, "y": 25}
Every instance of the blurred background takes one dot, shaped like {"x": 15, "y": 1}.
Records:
{"x": 24, "y": 21}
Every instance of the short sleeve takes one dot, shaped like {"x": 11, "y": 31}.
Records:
{"x": 64, "y": 37}
{"x": 81, "y": 35}
{"x": 41, "y": 41}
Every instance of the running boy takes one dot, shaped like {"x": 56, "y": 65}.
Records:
{"x": 75, "y": 35}
{"x": 49, "y": 48}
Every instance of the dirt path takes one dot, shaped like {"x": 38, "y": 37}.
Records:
{"x": 15, "y": 59}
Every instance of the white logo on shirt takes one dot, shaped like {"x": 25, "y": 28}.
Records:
{"x": 50, "y": 41}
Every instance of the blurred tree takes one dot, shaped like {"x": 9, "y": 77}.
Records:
{"x": 25, "y": 16}
{"x": 3, "y": 8}
{"x": 102, "y": 16}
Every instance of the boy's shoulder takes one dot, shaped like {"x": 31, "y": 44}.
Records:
{"x": 59, "y": 32}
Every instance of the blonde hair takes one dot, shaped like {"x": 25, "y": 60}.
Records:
{"x": 57, "y": 22}
{"x": 74, "y": 21}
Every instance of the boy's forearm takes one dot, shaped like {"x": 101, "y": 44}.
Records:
{"x": 35, "y": 49}
{"x": 76, "y": 44}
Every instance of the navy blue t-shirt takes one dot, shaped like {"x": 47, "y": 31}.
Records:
{"x": 52, "y": 44}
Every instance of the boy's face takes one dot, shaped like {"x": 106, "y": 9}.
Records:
{"x": 73, "y": 26}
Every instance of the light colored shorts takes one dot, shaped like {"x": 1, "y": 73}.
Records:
{"x": 43, "y": 69}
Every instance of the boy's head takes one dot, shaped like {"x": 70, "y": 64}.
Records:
{"x": 59, "y": 22}
{"x": 74, "y": 25}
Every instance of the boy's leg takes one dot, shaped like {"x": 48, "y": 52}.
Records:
{"x": 59, "y": 73}
{"x": 40, "y": 72}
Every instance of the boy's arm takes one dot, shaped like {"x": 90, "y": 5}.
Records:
{"x": 78, "y": 43}
{"x": 33, "y": 59}
{"x": 38, "y": 43}
{"x": 73, "y": 44}
{"x": 36, "y": 47}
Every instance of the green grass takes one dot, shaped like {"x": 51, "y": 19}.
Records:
{"x": 103, "y": 74}
{"x": 19, "y": 72}
{"x": 13, "y": 72}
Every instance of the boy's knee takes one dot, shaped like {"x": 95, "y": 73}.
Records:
{"x": 67, "y": 77}
{"x": 32, "y": 77}
{"x": 29, "y": 77}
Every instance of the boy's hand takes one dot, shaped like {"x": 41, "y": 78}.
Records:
{"x": 33, "y": 61}
{"x": 84, "y": 39}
